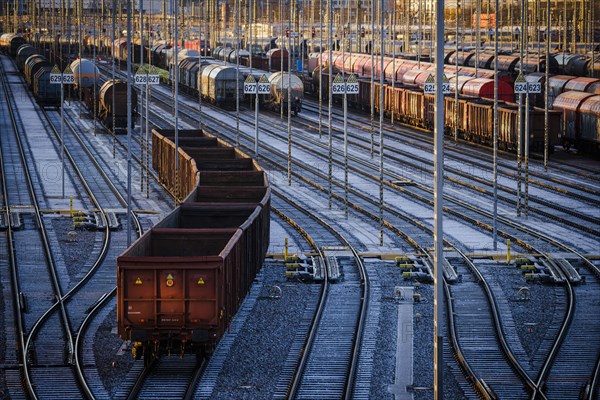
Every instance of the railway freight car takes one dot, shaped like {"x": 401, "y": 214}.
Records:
{"x": 581, "y": 120}
{"x": 10, "y": 43}
{"x": 85, "y": 73}
{"x": 220, "y": 84}
{"x": 287, "y": 90}
{"x": 46, "y": 93}
{"x": 278, "y": 98}
{"x": 114, "y": 91}
{"x": 181, "y": 283}
{"x": 23, "y": 53}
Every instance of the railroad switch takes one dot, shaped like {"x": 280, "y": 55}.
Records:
{"x": 79, "y": 217}
{"x": 303, "y": 268}
{"x": 414, "y": 269}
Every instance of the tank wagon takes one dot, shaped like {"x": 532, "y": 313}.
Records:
{"x": 281, "y": 85}
{"x": 157, "y": 54}
{"x": 119, "y": 50}
{"x": 578, "y": 64}
{"x": 269, "y": 60}
{"x": 10, "y": 43}
{"x": 85, "y": 73}
{"x": 63, "y": 46}
{"x": 181, "y": 283}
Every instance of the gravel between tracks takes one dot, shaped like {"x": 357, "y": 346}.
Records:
{"x": 113, "y": 362}
{"x": 76, "y": 244}
{"x": 532, "y": 317}
{"x": 260, "y": 350}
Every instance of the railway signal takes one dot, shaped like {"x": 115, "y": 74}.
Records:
{"x": 62, "y": 79}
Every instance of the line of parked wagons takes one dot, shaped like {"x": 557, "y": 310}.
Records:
{"x": 212, "y": 73}
{"x": 577, "y": 125}
{"x": 181, "y": 283}
{"x": 221, "y": 82}
{"x": 574, "y": 117}
{"x": 96, "y": 94}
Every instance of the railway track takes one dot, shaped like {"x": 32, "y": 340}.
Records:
{"x": 91, "y": 282}
{"x": 14, "y": 322}
{"x": 471, "y": 175}
{"x": 329, "y": 361}
{"x": 581, "y": 343}
{"x": 482, "y": 388}
{"x": 169, "y": 377}
{"x": 514, "y": 226}
{"x": 582, "y": 217}
{"x": 414, "y": 136}
{"x": 467, "y": 154}
{"x": 342, "y": 353}
{"x": 35, "y": 270}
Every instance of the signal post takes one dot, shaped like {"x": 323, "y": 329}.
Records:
{"x": 251, "y": 86}
{"x": 350, "y": 86}
{"x": 62, "y": 79}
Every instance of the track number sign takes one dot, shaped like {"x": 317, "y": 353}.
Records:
{"x": 55, "y": 79}
{"x": 263, "y": 87}
{"x": 429, "y": 86}
{"x": 520, "y": 85}
{"x": 66, "y": 77}
{"x": 250, "y": 85}
{"x": 352, "y": 85}
{"x": 338, "y": 86}
{"x": 445, "y": 85}
{"x": 143, "y": 79}
{"x": 534, "y": 87}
